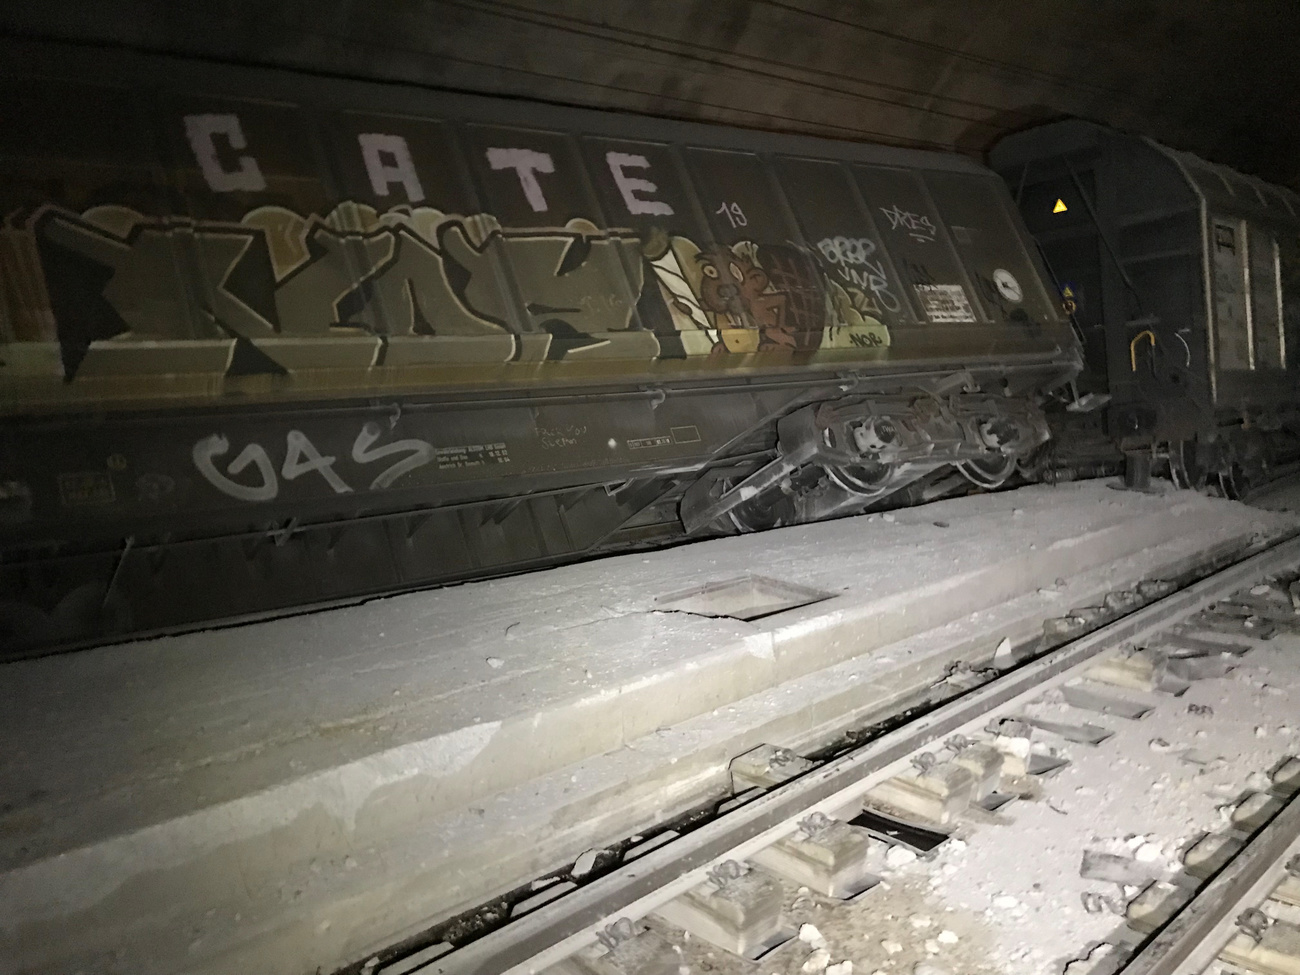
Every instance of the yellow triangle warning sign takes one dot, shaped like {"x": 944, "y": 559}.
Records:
{"x": 1060, "y": 206}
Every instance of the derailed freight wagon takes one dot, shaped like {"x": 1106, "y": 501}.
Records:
{"x": 1184, "y": 277}
{"x": 272, "y": 340}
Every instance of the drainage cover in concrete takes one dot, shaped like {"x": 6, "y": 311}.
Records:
{"x": 748, "y": 598}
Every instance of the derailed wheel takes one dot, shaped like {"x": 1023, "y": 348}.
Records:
{"x": 1187, "y": 467}
{"x": 988, "y": 472}
{"x": 863, "y": 480}
{"x": 771, "y": 509}
{"x": 1233, "y": 482}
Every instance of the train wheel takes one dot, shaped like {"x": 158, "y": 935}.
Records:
{"x": 864, "y": 481}
{"x": 771, "y": 509}
{"x": 1186, "y": 468}
{"x": 1233, "y": 482}
{"x": 988, "y": 473}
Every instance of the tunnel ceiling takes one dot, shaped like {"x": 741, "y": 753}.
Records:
{"x": 1219, "y": 79}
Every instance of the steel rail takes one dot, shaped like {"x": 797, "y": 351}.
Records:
{"x": 558, "y": 929}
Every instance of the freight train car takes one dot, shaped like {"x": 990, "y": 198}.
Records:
{"x": 272, "y": 340}
{"x": 1184, "y": 277}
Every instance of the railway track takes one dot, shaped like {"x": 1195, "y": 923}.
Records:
{"x": 1247, "y": 918}
{"x": 847, "y": 842}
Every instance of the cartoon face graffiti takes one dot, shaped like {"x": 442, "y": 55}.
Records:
{"x": 737, "y": 286}
{"x": 734, "y": 285}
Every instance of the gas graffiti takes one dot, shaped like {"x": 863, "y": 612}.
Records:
{"x": 116, "y": 276}
{"x": 301, "y": 458}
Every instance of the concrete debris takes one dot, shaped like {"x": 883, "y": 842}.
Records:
{"x": 1258, "y": 781}
{"x": 803, "y": 900}
{"x": 1115, "y": 869}
{"x": 840, "y": 968}
{"x": 1148, "y": 853}
{"x": 899, "y": 856}
{"x": 584, "y": 864}
{"x": 816, "y": 962}
{"x": 1014, "y": 739}
{"x": 812, "y": 937}
{"x": 1002, "y": 656}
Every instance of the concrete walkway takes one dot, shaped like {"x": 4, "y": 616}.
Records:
{"x": 287, "y": 795}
